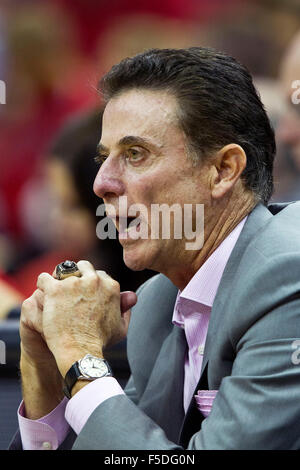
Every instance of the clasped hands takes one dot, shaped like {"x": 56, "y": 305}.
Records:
{"x": 64, "y": 320}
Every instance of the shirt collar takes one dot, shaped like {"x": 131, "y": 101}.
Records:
{"x": 203, "y": 286}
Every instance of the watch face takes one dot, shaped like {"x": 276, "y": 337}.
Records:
{"x": 93, "y": 366}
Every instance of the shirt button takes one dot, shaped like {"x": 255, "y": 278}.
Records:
{"x": 201, "y": 350}
{"x": 47, "y": 445}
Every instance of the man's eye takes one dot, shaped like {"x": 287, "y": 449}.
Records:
{"x": 134, "y": 155}
{"x": 99, "y": 159}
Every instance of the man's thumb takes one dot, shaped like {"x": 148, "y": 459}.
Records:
{"x": 128, "y": 300}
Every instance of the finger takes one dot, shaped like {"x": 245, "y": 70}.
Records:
{"x": 128, "y": 300}
{"x": 29, "y": 303}
{"x": 31, "y": 314}
{"x": 45, "y": 281}
{"x": 108, "y": 280}
{"x": 86, "y": 268}
{"x": 104, "y": 275}
{"x": 38, "y": 295}
{"x": 125, "y": 322}
{"x": 126, "y": 318}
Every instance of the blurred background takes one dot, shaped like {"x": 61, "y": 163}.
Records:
{"x": 52, "y": 55}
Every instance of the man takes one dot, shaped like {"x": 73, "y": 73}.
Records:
{"x": 212, "y": 343}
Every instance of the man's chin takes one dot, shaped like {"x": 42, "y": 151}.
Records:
{"x": 134, "y": 260}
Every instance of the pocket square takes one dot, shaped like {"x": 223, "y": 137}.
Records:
{"x": 204, "y": 400}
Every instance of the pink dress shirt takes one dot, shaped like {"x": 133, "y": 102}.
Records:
{"x": 191, "y": 312}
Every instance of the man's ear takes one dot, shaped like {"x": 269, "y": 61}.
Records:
{"x": 229, "y": 164}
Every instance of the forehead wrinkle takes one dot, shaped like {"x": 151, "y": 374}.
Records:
{"x": 161, "y": 103}
{"x": 151, "y": 117}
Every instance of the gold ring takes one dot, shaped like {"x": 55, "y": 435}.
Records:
{"x": 67, "y": 269}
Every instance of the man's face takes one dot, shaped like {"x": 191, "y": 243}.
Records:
{"x": 146, "y": 160}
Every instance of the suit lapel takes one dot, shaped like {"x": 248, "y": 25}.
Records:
{"x": 163, "y": 398}
{"x": 257, "y": 219}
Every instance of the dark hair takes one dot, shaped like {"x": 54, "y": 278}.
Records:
{"x": 218, "y": 104}
{"x": 76, "y": 145}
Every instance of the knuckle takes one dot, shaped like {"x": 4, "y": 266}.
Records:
{"x": 83, "y": 262}
{"x": 115, "y": 284}
{"x": 41, "y": 279}
{"x": 100, "y": 272}
{"x": 42, "y": 275}
{"x": 27, "y": 303}
{"x": 92, "y": 281}
{"x": 93, "y": 276}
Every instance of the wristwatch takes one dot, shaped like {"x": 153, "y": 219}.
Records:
{"x": 88, "y": 368}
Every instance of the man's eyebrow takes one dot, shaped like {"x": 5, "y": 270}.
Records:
{"x": 101, "y": 148}
{"x": 134, "y": 140}
{"x": 126, "y": 142}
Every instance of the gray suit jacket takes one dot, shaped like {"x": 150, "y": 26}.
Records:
{"x": 249, "y": 355}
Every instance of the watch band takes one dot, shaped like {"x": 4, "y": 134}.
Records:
{"x": 74, "y": 374}
{"x": 70, "y": 379}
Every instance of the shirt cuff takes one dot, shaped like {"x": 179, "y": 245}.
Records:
{"x": 84, "y": 402}
{"x": 46, "y": 433}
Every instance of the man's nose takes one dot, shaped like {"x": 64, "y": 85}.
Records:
{"x": 108, "y": 182}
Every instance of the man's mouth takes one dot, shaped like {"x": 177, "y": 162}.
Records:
{"x": 127, "y": 225}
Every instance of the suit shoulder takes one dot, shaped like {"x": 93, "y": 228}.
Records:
{"x": 280, "y": 238}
